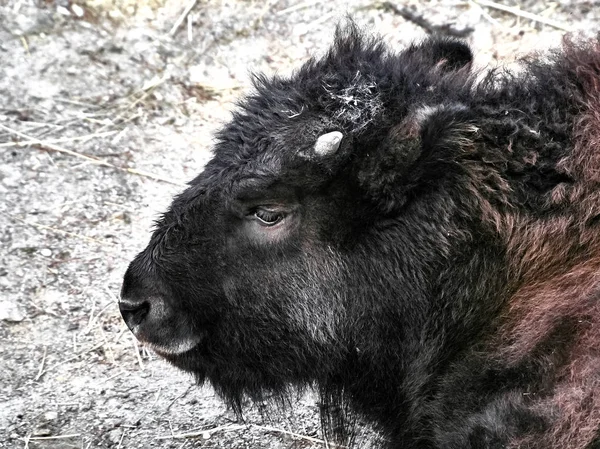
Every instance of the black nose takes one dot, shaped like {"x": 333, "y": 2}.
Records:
{"x": 134, "y": 311}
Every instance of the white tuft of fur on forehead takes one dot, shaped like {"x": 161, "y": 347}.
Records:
{"x": 358, "y": 104}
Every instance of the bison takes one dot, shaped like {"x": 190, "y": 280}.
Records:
{"x": 417, "y": 240}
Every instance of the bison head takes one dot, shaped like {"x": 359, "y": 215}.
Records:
{"x": 355, "y": 230}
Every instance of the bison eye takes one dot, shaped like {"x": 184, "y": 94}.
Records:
{"x": 268, "y": 217}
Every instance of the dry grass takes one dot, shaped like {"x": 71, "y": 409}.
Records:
{"x": 121, "y": 9}
{"x": 82, "y": 157}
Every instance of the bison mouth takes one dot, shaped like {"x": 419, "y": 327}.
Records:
{"x": 165, "y": 338}
{"x": 159, "y": 325}
{"x": 174, "y": 348}
{"x": 191, "y": 356}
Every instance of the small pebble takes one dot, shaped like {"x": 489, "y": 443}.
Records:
{"x": 114, "y": 436}
{"x": 77, "y": 10}
{"x": 42, "y": 432}
{"x": 46, "y": 252}
{"x": 10, "y": 311}
{"x": 50, "y": 416}
{"x": 63, "y": 11}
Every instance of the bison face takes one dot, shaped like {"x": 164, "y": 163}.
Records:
{"x": 242, "y": 281}
{"x": 419, "y": 242}
{"x": 314, "y": 241}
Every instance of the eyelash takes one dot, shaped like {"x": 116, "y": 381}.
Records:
{"x": 268, "y": 217}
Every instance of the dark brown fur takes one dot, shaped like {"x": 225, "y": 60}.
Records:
{"x": 557, "y": 264}
{"x": 437, "y": 272}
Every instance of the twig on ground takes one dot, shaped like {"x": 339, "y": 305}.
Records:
{"x": 145, "y": 174}
{"x": 94, "y": 160}
{"x": 298, "y": 7}
{"x": 147, "y": 89}
{"x": 56, "y": 230}
{"x": 78, "y": 103}
{"x": 110, "y": 293}
{"x": 297, "y": 435}
{"x": 527, "y": 15}
{"x": 116, "y": 139}
{"x": 206, "y": 433}
{"x": 182, "y": 17}
{"x": 114, "y": 376}
{"x": 42, "y": 310}
{"x": 108, "y": 349}
{"x": 51, "y": 159}
{"x": 179, "y": 397}
{"x": 42, "y": 128}
{"x": 190, "y": 29}
{"x": 25, "y": 45}
{"x": 41, "y": 369}
{"x": 321, "y": 20}
{"x": 419, "y": 20}
{"x": 123, "y": 331}
{"x": 93, "y": 318}
{"x": 33, "y": 126}
{"x": 55, "y": 437}
{"x": 92, "y": 310}
{"x": 157, "y": 397}
{"x": 24, "y": 143}
{"x": 136, "y": 348}
{"x": 202, "y": 433}
{"x": 268, "y": 5}
{"x": 485, "y": 14}
{"x": 134, "y": 99}
{"x": 121, "y": 440}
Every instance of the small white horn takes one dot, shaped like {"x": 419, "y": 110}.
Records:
{"x": 328, "y": 143}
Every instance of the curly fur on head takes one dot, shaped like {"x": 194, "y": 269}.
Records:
{"x": 418, "y": 242}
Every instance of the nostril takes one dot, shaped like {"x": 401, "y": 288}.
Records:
{"x": 133, "y": 312}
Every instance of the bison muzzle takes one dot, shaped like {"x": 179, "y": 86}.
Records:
{"x": 417, "y": 240}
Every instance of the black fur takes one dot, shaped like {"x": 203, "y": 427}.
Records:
{"x": 387, "y": 278}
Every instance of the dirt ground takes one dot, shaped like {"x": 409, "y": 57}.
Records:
{"x": 106, "y": 108}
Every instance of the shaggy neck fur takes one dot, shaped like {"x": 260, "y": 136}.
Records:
{"x": 538, "y": 370}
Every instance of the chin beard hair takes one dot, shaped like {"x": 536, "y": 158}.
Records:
{"x": 339, "y": 424}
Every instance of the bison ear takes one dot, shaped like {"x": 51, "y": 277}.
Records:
{"x": 444, "y": 54}
{"x": 421, "y": 151}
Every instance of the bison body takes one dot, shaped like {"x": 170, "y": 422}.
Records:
{"x": 418, "y": 241}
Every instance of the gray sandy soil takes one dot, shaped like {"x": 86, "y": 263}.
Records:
{"x": 118, "y": 112}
